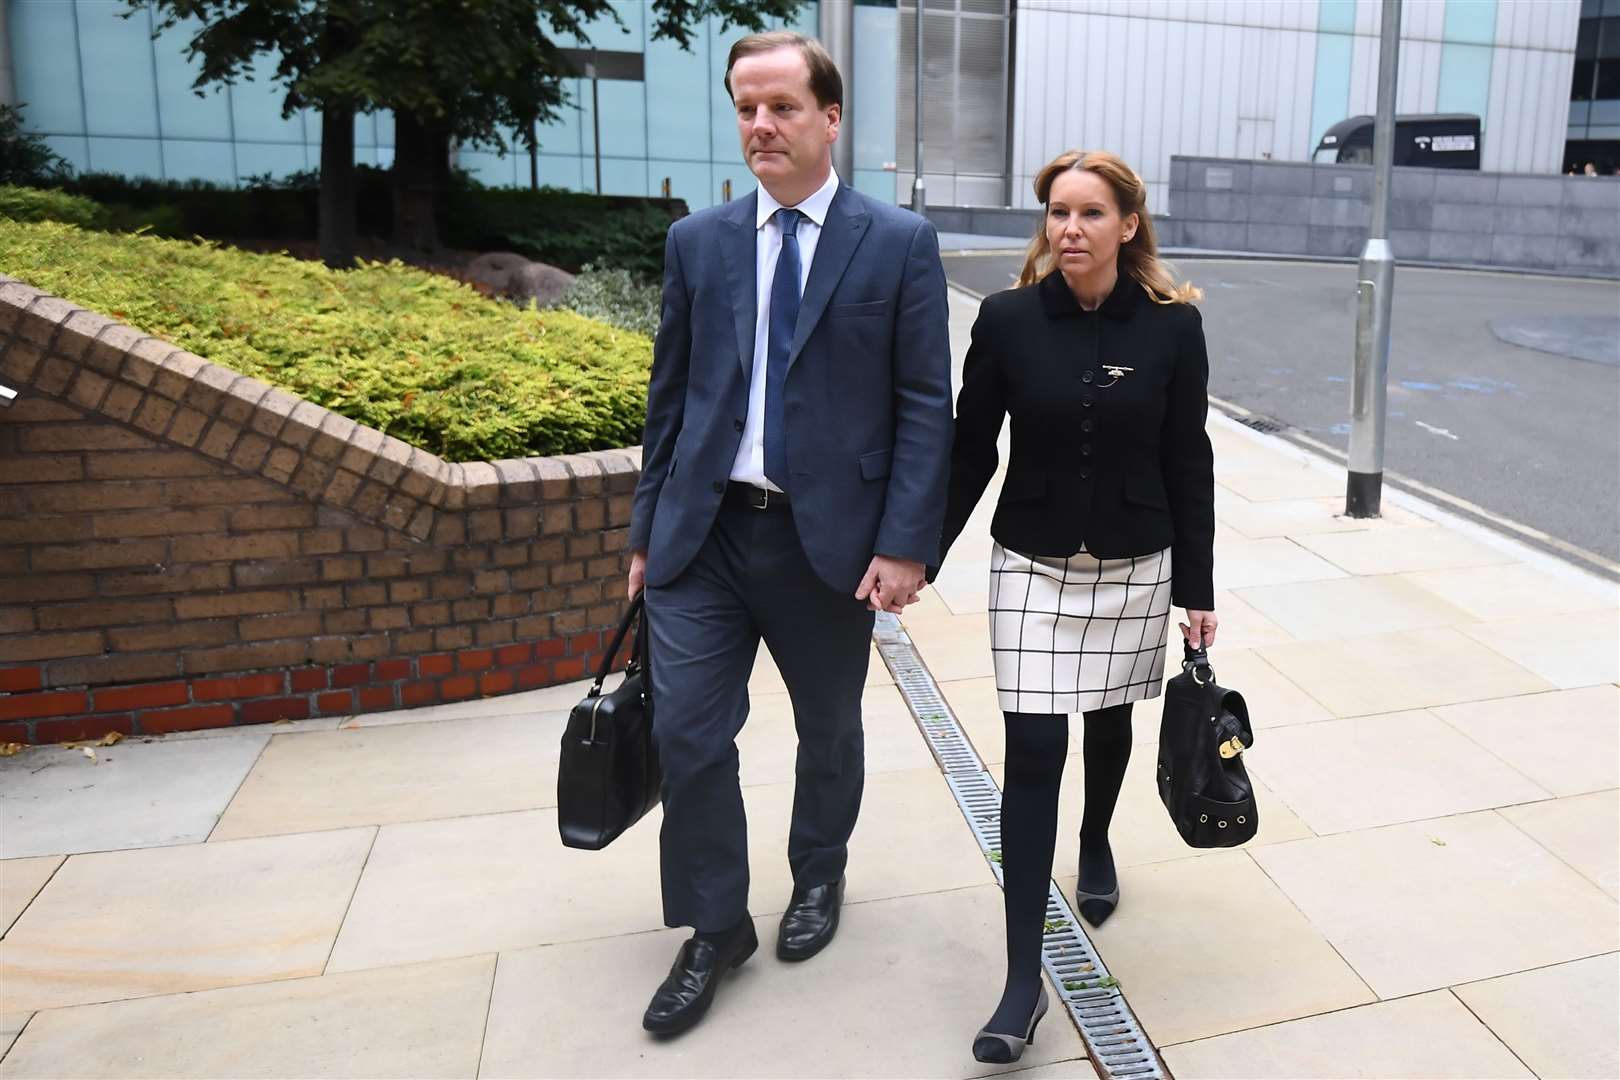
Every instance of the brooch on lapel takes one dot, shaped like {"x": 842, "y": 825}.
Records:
{"x": 1117, "y": 374}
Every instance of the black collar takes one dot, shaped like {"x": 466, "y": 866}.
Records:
{"x": 1059, "y": 301}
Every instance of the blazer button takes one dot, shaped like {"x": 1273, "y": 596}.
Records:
{"x": 738, "y": 424}
{"x": 1085, "y": 449}
{"x": 1086, "y": 401}
{"x": 719, "y": 487}
{"x": 1087, "y": 425}
{"x": 1085, "y": 474}
{"x": 1087, "y": 377}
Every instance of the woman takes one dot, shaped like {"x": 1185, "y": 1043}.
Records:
{"x": 1106, "y": 518}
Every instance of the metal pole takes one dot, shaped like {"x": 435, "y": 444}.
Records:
{"x": 919, "y": 200}
{"x": 534, "y": 156}
{"x": 1375, "y": 282}
{"x": 596, "y": 119}
{"x": 837, "y": 29}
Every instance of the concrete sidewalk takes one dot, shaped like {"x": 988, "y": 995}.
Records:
{"x": 1433, "y": 891}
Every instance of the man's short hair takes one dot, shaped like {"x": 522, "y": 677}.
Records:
{"x": 825, "y": 82}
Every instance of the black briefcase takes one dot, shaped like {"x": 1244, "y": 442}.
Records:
{"x": 608, "y": 777}
{"x": 1202, "y": 781}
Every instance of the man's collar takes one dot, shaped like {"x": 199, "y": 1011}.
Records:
{"x": 815, "y": 207}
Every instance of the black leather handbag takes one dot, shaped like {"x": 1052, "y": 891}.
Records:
{"x": 1203, "y": 734}
{"x": 608, "y": 777}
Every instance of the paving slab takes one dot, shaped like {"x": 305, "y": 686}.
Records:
{"x": 1350, "y": 607}
{"x": 1241, "y": 625}
{"x": 1430, "y": 1035}
{"x": 127, "y": 924}
{"x": 955, "y": 648}
{"x": 1583, "y": 830}
{"x": 425, "y": 1020}
{"x": 1367, "y": 771}
{"x": 1074, "y": 1069}
{"x": 1412, "y": 669}
{"x": 900, "y": 993}
{"x": 1574, "y": 649}
{"x": 403, "y": 772}
{"x": 20, "y": 882}
{"x": 1403, "y": 549}
{"x": 1431, "y": 904}
{"x": 1277, "y": 561}
{"x": 1303, "y": 517}
{"x": 57, "y": 801}
{"x": 1562, "y": 1020}
{"x": 500, "y": 882}
{"x": 1567, "y": 741}
{"x": 1301, "y": 481}
{"x": 11, "y": 1025}
{"x": 1209, "y": 945}
{"x": 1516, "y": 590}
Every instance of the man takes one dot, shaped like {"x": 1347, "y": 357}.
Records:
{"x": 793, "y": 483}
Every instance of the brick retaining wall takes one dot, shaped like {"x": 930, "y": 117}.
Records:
{"x": 185, "y": 547}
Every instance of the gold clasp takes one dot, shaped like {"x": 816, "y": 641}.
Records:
{"x": 1232, "y": 747}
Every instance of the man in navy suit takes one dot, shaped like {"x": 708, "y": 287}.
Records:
{"x": 793, "y": 482}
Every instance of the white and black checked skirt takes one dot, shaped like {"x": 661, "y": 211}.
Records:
{"x": 1076, "y": 634}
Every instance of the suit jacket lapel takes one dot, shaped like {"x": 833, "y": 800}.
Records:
{"x": 840, "y": 236}
{"x": 739, "y": 255}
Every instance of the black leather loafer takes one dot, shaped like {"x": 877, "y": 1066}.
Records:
{"x": 810, "y": 921}
{"x": 688, "y": 990}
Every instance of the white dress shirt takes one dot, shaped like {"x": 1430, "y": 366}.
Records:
{"x": 749, "y": 467}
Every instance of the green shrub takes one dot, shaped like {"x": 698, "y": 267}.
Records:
{"x": 25, "y": 158}
{"x": 564, "y": 228}
{"x": 39, "y": 204}
{"x": 415, "y": 354}
{"x": 616, "y": 298}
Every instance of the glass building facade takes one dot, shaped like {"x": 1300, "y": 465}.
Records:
{"x": 109, "y": 97}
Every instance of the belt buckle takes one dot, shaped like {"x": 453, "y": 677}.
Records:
{"x": 759, "y": 498}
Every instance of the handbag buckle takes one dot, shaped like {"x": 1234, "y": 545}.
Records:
{"x": 1232, "y": 747}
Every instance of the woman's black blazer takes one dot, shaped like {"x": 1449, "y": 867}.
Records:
{"x": 1117, "y": 461}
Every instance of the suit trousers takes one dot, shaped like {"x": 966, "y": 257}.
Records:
{"x": 752, "y": 581}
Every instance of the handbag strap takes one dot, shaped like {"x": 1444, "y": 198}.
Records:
{"x": 1196, "y": 663}
{"x": 631, "y": 617}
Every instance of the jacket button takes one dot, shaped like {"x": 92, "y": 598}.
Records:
{"x": 1086, "y": 401}
{"x": 738, "y": 424}
{"x": 1085, "y": 474}
{"x": 1085, "y": 449}
{"x": 1087, "y": 425}
{"x": 719, "y": 488}
{"x": 1087, "y": 377}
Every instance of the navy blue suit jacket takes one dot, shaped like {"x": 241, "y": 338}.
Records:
{"x": 867, "y": 395}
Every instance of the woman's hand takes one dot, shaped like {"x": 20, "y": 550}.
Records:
{"x": 1199, "y": 629}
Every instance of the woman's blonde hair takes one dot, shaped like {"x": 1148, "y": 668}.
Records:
{"x": 1138, "y": 256}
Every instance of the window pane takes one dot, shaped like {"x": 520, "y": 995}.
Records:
{"x": 1586, "y": 39}
{"x": 1580, "y": 88}
{"x": 1608, "y": 79}
{"x": 1609, "y": 38}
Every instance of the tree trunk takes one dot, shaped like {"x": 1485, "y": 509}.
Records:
{"x": 337, "y": 210}
{"x": 416, "y": 176}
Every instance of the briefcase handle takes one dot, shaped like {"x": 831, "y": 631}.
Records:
{"x": 638, "y": 649}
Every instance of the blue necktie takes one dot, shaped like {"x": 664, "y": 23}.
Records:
{"x": 784, "y": 316}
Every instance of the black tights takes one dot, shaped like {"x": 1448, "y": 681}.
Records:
{"x": 1036, "y": 747}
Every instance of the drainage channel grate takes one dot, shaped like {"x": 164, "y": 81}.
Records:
{"x": 1115, "y": 1040}
{"x": 1266, "y": 424}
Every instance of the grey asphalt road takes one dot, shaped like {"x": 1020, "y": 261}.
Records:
{"x": 1530, "y": 435}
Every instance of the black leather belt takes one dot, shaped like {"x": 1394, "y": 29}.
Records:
{"x": 755, "y": 498}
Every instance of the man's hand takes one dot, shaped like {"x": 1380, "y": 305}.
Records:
{"x": 891, "y": 584}
{"x": 1199, "y": 629}
{"x": 638, "y": 572}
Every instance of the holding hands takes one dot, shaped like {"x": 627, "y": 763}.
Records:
{"x": 891, "y": 584}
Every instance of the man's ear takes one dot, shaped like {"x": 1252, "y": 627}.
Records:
{"x": 835, "y": 117}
